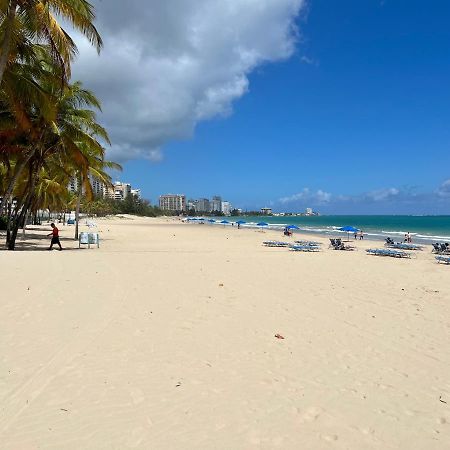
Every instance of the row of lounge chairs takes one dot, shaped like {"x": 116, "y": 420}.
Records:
{"x": 337, "y": 244}
{"x": 388, "y": 252}
{"x": 441, "y": 249}
{"x": 402, "y": 245}
{"x": 276, "y": 244}
{"x": 443, "y": 259}
{"x": 309, "y": 244}
{"x": 305, "y": 248}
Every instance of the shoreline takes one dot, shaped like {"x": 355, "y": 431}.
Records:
{"x": 425, "y": 241}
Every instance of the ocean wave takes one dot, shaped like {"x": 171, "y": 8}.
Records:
{"x": 437, "y": 238}
{"x": 398, "y": 232}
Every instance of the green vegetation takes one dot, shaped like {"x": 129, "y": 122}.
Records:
{"x": 131, "y": 205}
{"x": 49, "y": 133}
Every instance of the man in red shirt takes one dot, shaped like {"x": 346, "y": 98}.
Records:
{"x": 55, "y": 237}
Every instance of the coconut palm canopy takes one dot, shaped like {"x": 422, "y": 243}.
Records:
{"x": 49, "y": 133}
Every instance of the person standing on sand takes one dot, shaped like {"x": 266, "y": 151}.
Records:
{"x": 55, "y": 237}
{"x": 361, "y": 235}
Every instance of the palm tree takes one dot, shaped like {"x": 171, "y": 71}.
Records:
{"x": 71, "y": 142}
{"x": 27, "y": 22}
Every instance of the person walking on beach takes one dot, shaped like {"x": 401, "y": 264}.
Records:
{"x": 361, "y": 235}
{"x": 55, "y": 237}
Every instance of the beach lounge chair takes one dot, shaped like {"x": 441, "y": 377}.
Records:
{"x": 275, "y": 244}
{"x": 308, "y": 243}
{"x": 388, "y": 252}
{"x": 304, "y": 248}
{"x": 339, "y": 245}
{"x": 443, "y": 259}
{"x": 405, "y": 246}
{"x": 436, "y": 248}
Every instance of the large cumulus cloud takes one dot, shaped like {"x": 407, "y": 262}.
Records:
{"x": 167, "y": 65}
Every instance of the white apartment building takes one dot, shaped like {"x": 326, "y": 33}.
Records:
{"x": 226, "y": 208}
{"x": 121, "y": 190}
{"x": 172, "y": 202}
{"x": 216, "y": 203}
{"x": 136, "y": 193}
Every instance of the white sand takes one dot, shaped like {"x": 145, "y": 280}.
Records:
{"x": 164, "y": 338}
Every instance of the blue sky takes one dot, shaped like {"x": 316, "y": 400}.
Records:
{"x": 357, "y": 120}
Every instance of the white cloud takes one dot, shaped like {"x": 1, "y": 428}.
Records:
{"x": 168, "y": 65}
{"x": 444, "y": 189}
{"x": 382, "y": 194}
{"x": 306, "y": 195}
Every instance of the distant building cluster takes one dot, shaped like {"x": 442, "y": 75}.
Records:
{"x": 119, "y": 190}
{"x": 308, "y": 212}
{"x": 178, "y": 202}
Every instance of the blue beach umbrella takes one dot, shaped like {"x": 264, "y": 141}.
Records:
{"x": 349, "y": 230}
{"x": 211, "y": 221}
{"x": 262, "y": 224}
{"x": 240, "y": 222}
{"x": 224, "y": 221}
{"x": 293, "y": 227}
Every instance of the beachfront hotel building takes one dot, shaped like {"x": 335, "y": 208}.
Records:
{"x": 98, "y": 188}
{"x": 266, "y": 211}
{"x": 226, "y": 208}
{"x": 172, "y": 202}
{"x": 119, "y": 190}
{"x": 216, "y": 203}
{"x": 204, "y": 205}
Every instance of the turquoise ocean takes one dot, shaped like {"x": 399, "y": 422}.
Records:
{"x": 424, "y": 229}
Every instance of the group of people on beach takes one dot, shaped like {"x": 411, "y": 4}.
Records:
{"x": 408, "y": 238}
{"x": 359, "y": 234}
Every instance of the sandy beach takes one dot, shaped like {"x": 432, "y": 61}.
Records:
{"x": 164, "y": 338}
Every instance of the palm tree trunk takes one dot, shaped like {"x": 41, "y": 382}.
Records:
{"x": 19, "y": 220}
{"x": 77, "y": 209}
{"x": 25, "y": 223}
{"x": 13, "y": 181}
{"x": 6, "y": 43}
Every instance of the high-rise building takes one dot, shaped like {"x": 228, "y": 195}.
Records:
{"x": 203, "y": 205}
{"x": 172, "y": 202}
{"x": 266, "y": 211}
{"x": 121, "y": 190}
{"x": 136, "y": 193}
{"x": 98, "y": 186}
{"x": 226, "y": 208}
{"x": 216, "y": 203}
{"x": 73, "y": 185}
{"x": 191, "y": 205}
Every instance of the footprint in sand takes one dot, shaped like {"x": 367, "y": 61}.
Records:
{"x": 329, "y": 437}
{"x": 311, "y": 414}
